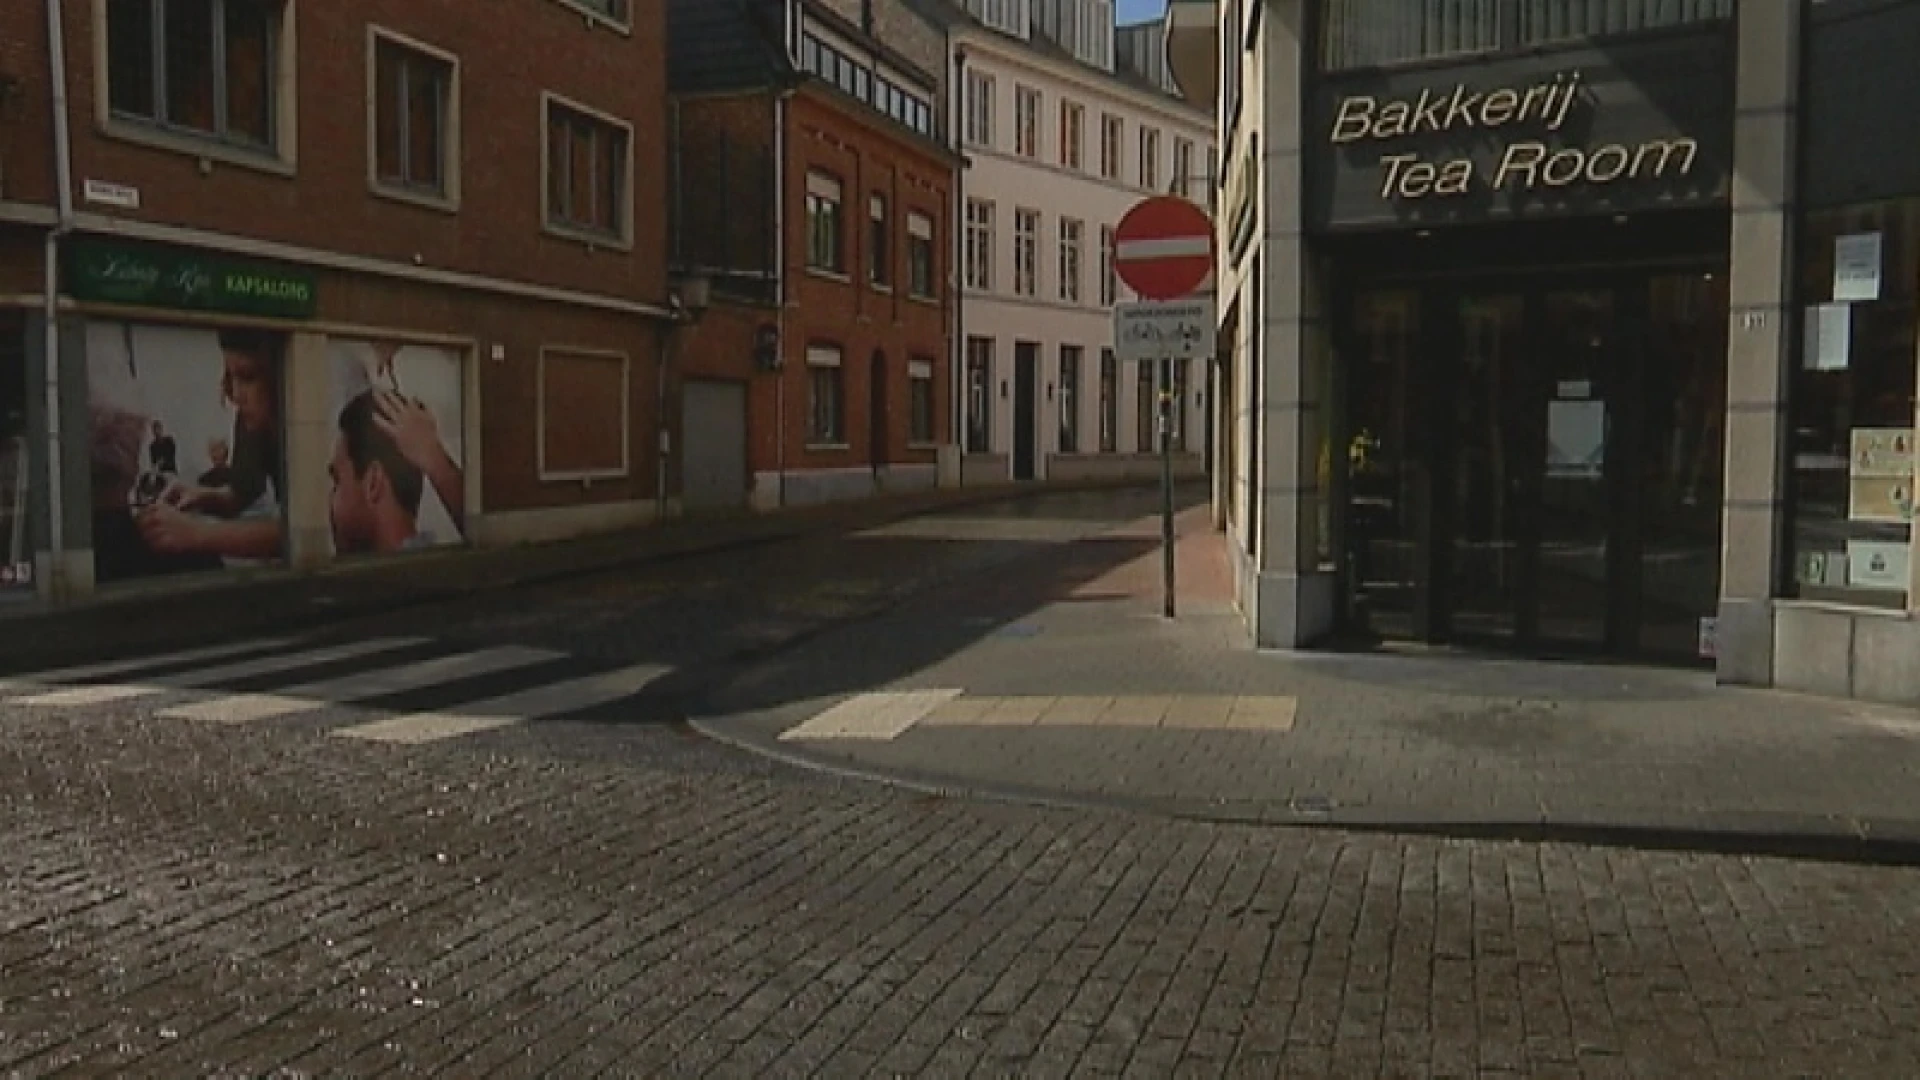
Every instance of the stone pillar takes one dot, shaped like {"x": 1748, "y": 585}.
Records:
{"x": 1294, "y": 605}
{"x": 1761, "y": 349}
{"x": 307, "y": 391}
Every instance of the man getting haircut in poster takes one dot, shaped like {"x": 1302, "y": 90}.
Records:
{"x": 375, "y": 502}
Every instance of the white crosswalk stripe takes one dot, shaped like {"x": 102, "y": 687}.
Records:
{"x": 552, "y": 699}
{"x": 361, "y": 685}
{"x": 383, "y": 675}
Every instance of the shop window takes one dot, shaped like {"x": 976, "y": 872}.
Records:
{"x": 1069, "y": 392}
{"x": 979, "y": 395}
{"x": 920, "y": 402}
{"x": 1109, "y": 400}
{"x": 826, "y": 397}
{"x": 16, "y": 476}
{"x": 414, "y": 95}
{"x": 1853, "y": 404}
{"x": 920, "y": 274}
{"x": 825, "y": 236}
{"x": 879, "y": 243}
{"x": 204, "y": 68}
{"x": 588, "y": 171}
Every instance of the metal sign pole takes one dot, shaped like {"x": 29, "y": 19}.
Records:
{"x": 1166, "y": 481}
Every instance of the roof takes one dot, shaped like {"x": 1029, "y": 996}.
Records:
{"x": 950, "y": 15}
{"x": 715, "y": 45}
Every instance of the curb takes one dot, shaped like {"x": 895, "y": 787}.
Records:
{"x": 309, "y": 613}
{"x": 1864, "y": 843}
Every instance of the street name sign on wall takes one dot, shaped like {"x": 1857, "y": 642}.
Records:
{"x": 1156, "y": 330}
{"x": 1163, "y": 247}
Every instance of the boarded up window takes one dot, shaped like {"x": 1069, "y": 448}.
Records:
{"x": 583, "y": 401}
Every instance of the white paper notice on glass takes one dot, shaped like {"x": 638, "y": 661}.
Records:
{"x": 1829, "y": 337}
{"x": 1576, "y": 438}
{"x": 1875, "y": 564}
{"x": 1856, "y": 267}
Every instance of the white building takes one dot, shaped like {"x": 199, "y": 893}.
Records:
{"x": 1063, "y": 136}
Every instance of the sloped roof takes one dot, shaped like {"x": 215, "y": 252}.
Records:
{"x": 949, "y": 15}
{"x": 715, "y": 45}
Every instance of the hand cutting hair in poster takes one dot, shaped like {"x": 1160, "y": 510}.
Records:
{"x": 417, "y": 436}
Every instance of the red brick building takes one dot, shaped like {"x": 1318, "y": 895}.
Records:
{"x": 356, "y": 277}
{"x": 813, "y": 194}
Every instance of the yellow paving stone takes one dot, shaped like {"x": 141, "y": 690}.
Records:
{"x": 1263, "y": 714}
{"x": 1076, "y": 712}
{"x": 1136, "y": 712}
{"x": 960, "y": 712}
{"x": 1015, "y": 711}
{"x": 1197, "y": 712}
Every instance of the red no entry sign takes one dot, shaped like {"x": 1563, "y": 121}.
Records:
{"x": 1163, "y": 248}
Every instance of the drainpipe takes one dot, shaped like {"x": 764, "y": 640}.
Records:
{"x": 63, "y": 181}
{"x": 780, "y": 288}
{"x": 957, "y": 228}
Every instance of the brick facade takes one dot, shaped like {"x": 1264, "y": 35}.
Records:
{"x": 478, "y": 271}
{"x": 828, "y": 134}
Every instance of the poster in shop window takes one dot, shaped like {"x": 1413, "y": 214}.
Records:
{"x": 396, "y": 468}
{"x": 185, "y": 449}
{"x": 1881, "y": 476}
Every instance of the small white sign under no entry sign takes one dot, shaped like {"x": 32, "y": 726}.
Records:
{"x": 1177, "y": 329}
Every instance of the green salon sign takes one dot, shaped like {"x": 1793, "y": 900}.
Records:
{"x": 142, "y": 275}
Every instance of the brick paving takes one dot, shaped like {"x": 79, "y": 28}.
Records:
{"x": 576, "y": 901}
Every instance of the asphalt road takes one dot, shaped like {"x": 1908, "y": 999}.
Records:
{"x": 601, "y": 894}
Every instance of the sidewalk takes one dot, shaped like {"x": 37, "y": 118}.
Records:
{"x": 168, "y": 615}
{"x": 1068, "y": 686}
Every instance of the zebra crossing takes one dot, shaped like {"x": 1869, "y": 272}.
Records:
{"x": 419, "y": 689}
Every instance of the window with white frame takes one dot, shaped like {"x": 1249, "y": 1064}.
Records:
{"x": 920, "y": 412}
{"x": 1109, "y": 279}
{"x": 588, "y": 172}
{"x": 204, "y": 68}
{"x": 614, "y": 11}
{"x": 1069, "y": 396}
{"x": 1149, "y": 158}
{"x": 879, "y": 243}
{"x": 920, "y": 248}
{"x": 1026, "y": 252}
{"x": 980, "y": 245}
{"x": 1026, "y": 121}
{"x": 979, "y": 395}
{"x": 826, "y": 414}
{"x": 414, "y": 92}
{"x": 1183, "y": 167}
{"x": 1072, "y": 235}
{"x": 825, "y": 232}
{"x": 1112, "y": 139}
{"x": 979, "y": 108}
{"x": 1109, "y": 401}
{"x": 1073, "y": 134}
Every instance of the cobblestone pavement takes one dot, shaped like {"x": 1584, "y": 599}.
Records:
{"x": 576, "y": 900}
{"x": 1469, "y": 743}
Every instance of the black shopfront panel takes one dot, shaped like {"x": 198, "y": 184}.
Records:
{"x": 1529, "y": 322}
